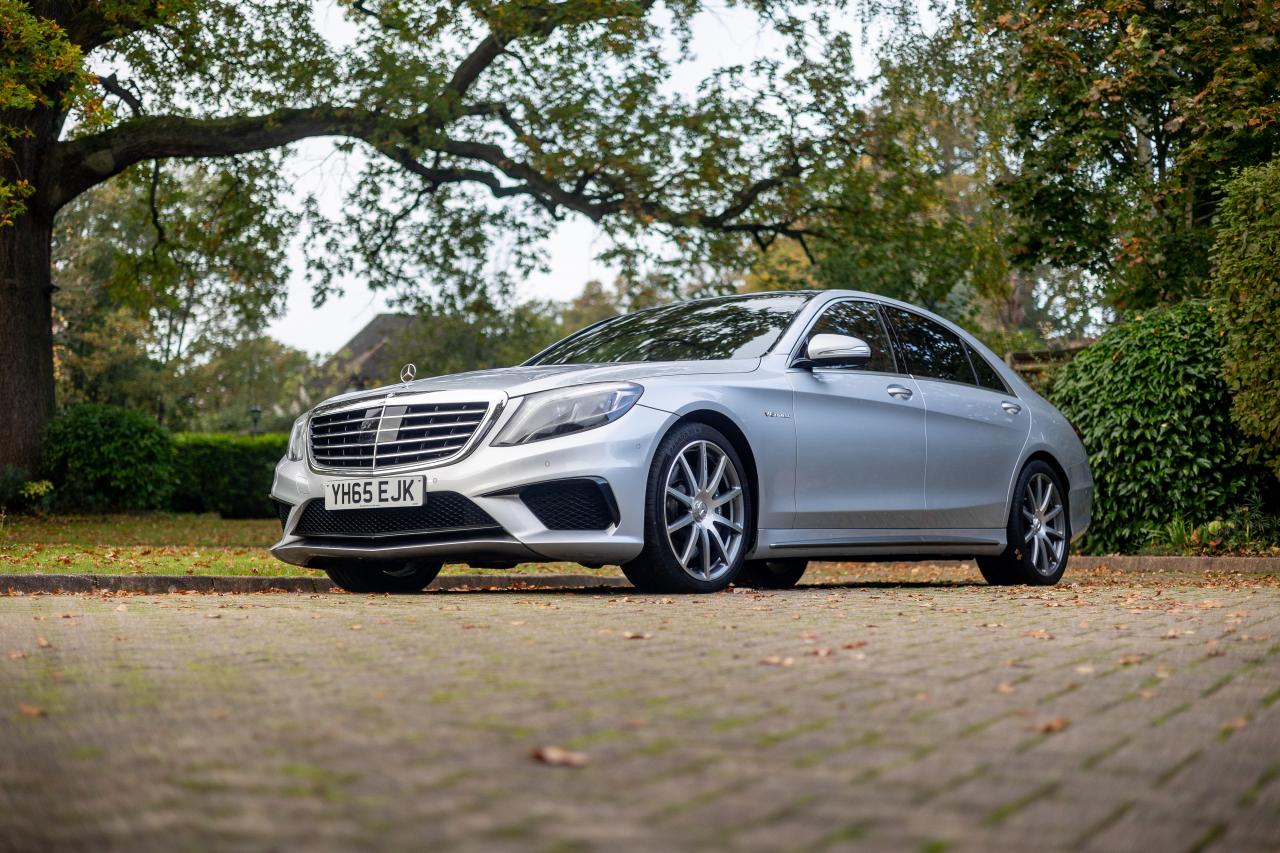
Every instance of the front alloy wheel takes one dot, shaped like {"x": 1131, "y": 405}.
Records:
{"x": 697, "y": 515}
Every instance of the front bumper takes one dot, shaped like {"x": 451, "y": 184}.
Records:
{"x": 619, "y": 453}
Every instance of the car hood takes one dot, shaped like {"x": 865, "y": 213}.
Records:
{"x": 517, "y": 381}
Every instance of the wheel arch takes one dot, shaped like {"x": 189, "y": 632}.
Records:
{"x": 730, "y": 430}
{"x": 1048, "y": 458}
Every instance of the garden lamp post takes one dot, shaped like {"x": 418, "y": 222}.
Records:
{"x": 255, "y": 416}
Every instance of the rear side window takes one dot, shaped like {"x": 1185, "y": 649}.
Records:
{"x": 931, "y": 351}
{"x": 987, "y": 375}
{"x": 858, "y": 320}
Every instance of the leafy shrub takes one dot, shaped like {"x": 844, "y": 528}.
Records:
{"x": 227, "y": 474}
{"x": 11, "y": 482}
{"x": 1152, "y": 405}
{"x": 106, "y": 457}
{"x": 1247, "y": 287}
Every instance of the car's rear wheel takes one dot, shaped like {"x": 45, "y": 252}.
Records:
{"x": 698, "y": 514}
{"x": 772, "y": 574}
{"x": 371, "y": 576}
{"x": 1039, "y": 532}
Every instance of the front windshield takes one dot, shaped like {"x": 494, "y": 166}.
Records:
{"x": 732, "y": 327}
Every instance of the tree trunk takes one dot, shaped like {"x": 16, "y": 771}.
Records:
{"x": 26, "y": 339}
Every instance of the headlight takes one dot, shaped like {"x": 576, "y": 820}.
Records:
{"x": 567, "y": 410}
{"x": 298, "y": 439}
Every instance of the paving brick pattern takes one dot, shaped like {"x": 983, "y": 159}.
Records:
{"x": 1109, "y": 714}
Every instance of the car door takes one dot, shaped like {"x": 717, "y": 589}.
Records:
{"x": 860, "y": 430}
{"x": 976, "y": 427}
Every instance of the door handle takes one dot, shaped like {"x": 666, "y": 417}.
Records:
{"x": 902, "y": 392}
{"x": 1011, "y": 408}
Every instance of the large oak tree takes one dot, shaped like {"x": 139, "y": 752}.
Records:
{"x": 472, "y": 126}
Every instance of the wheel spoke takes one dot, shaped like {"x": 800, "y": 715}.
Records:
{"x": 681, "y": 523}
{"x": 706, "y": 552}
{"x": 726, "y": 497}
{"x": 718, "y": 475}
{"x": 1055, "y": 533}
{"x": 702, "y": 466}
{"x": 1048, "y": 496}
{"x": 1053, "y": 513}
{"x": 688, "y": 472}
{"x": 720, "y": 546}
{"x": 1028, "y": 514}
{"x": 1035, "y": 552}
{"x": 687, "y": 555}
{"x": 727, "y": 522}
{"x": 1030, "y": 533}
{"x": 680, "y": 496}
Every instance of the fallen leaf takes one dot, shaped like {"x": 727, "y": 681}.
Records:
{"x": 356, "y": 627}
{"x": 777, "y": 660}
{"x": 856, "y": 644}
{"x": 31, "y": 710}
{"x": 1038, "y": 634}
{"x": 43, "y": 643}
{"x": 1132, "y": 660}
{"x": 1236, "y": 724}
{"x": 821, "y": 652}
{"x": 213, "y": 616}
{"x": 218, "y": 714}
{"x": 1085, "y": 669}
{"x": 1048, "y": 727}
{"x": 18, "y": 655}
{"x": 122, "y": 608}
{"x": 636, "y": 635}
{"x": 1006, "y": 688}
{"x": 559, "y": 757}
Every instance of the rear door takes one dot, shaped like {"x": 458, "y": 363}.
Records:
{"x": 976, "y": 426}
{"x": 860, "y": 433}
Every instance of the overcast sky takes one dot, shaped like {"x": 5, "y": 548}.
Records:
{"x": 721, "y": 37}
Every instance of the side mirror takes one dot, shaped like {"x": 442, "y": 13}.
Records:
{"x": 838, "y": 350}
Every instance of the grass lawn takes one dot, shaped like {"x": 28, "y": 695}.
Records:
{"x": 160, "y": 543}
{"x": 163, "y": 544}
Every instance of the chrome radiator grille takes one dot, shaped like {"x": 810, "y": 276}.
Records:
{"x": 387, "y": 435}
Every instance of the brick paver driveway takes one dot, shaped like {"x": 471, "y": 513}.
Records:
{"x": 1107, "y": 714}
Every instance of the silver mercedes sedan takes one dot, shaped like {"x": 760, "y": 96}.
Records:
{"x": 697, "y": 445}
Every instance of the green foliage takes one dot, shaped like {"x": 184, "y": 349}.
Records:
{"x": 1246, "y": 285}
{"x": 1126, "y": 116}
{"x": 12, "y": 479}
{"x": 1156, "y": 417}
{"x": 1246, "y": 530}
{"x": 105, "y": 457}
{"x": 39, "y": 68}
{"x": 227, "y": 474}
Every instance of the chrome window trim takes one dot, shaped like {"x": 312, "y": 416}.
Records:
{"x": 496, "y": 404}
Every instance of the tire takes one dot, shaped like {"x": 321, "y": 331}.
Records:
{"x": 1039, "y": 532}
{"x": 772, "y": 574}
{"x": 373, "y": 576}
{"x": 711, "y": 517}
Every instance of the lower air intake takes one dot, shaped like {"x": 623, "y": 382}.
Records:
{"x": 444, "y": 512}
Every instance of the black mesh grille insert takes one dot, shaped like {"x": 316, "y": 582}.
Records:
{"x": 571, "y": 504}
{"x": 443, "y": 512}
{"x": 283, "y": 509}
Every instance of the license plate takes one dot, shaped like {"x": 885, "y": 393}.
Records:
{"x": 382, "y": 492}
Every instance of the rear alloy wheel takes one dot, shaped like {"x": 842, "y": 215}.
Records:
{"x": 772, "y": 574}
{"x": 1039, "y": 532}
{"x": 371, "y": 576}
{"x": 697, "y": 515}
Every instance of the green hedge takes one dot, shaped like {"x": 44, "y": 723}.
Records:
{"x": 107, "y": 458}
{"x": 1247, "y": 286}
{"x": 227, "y": 474}
{"x": 1150, "y": 399}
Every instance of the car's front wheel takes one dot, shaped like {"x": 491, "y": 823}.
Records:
{"x": 369, "y": 576}
{"x": 1039, "y": 532}
{"x": 698, "y": 514}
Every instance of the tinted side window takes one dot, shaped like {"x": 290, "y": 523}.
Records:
{"x": 987, "y": 375}
{"x": 931, "y": 351}
{"x": 858, "y": 320}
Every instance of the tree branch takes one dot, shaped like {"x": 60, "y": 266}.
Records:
{"x": 85, "y": 162}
